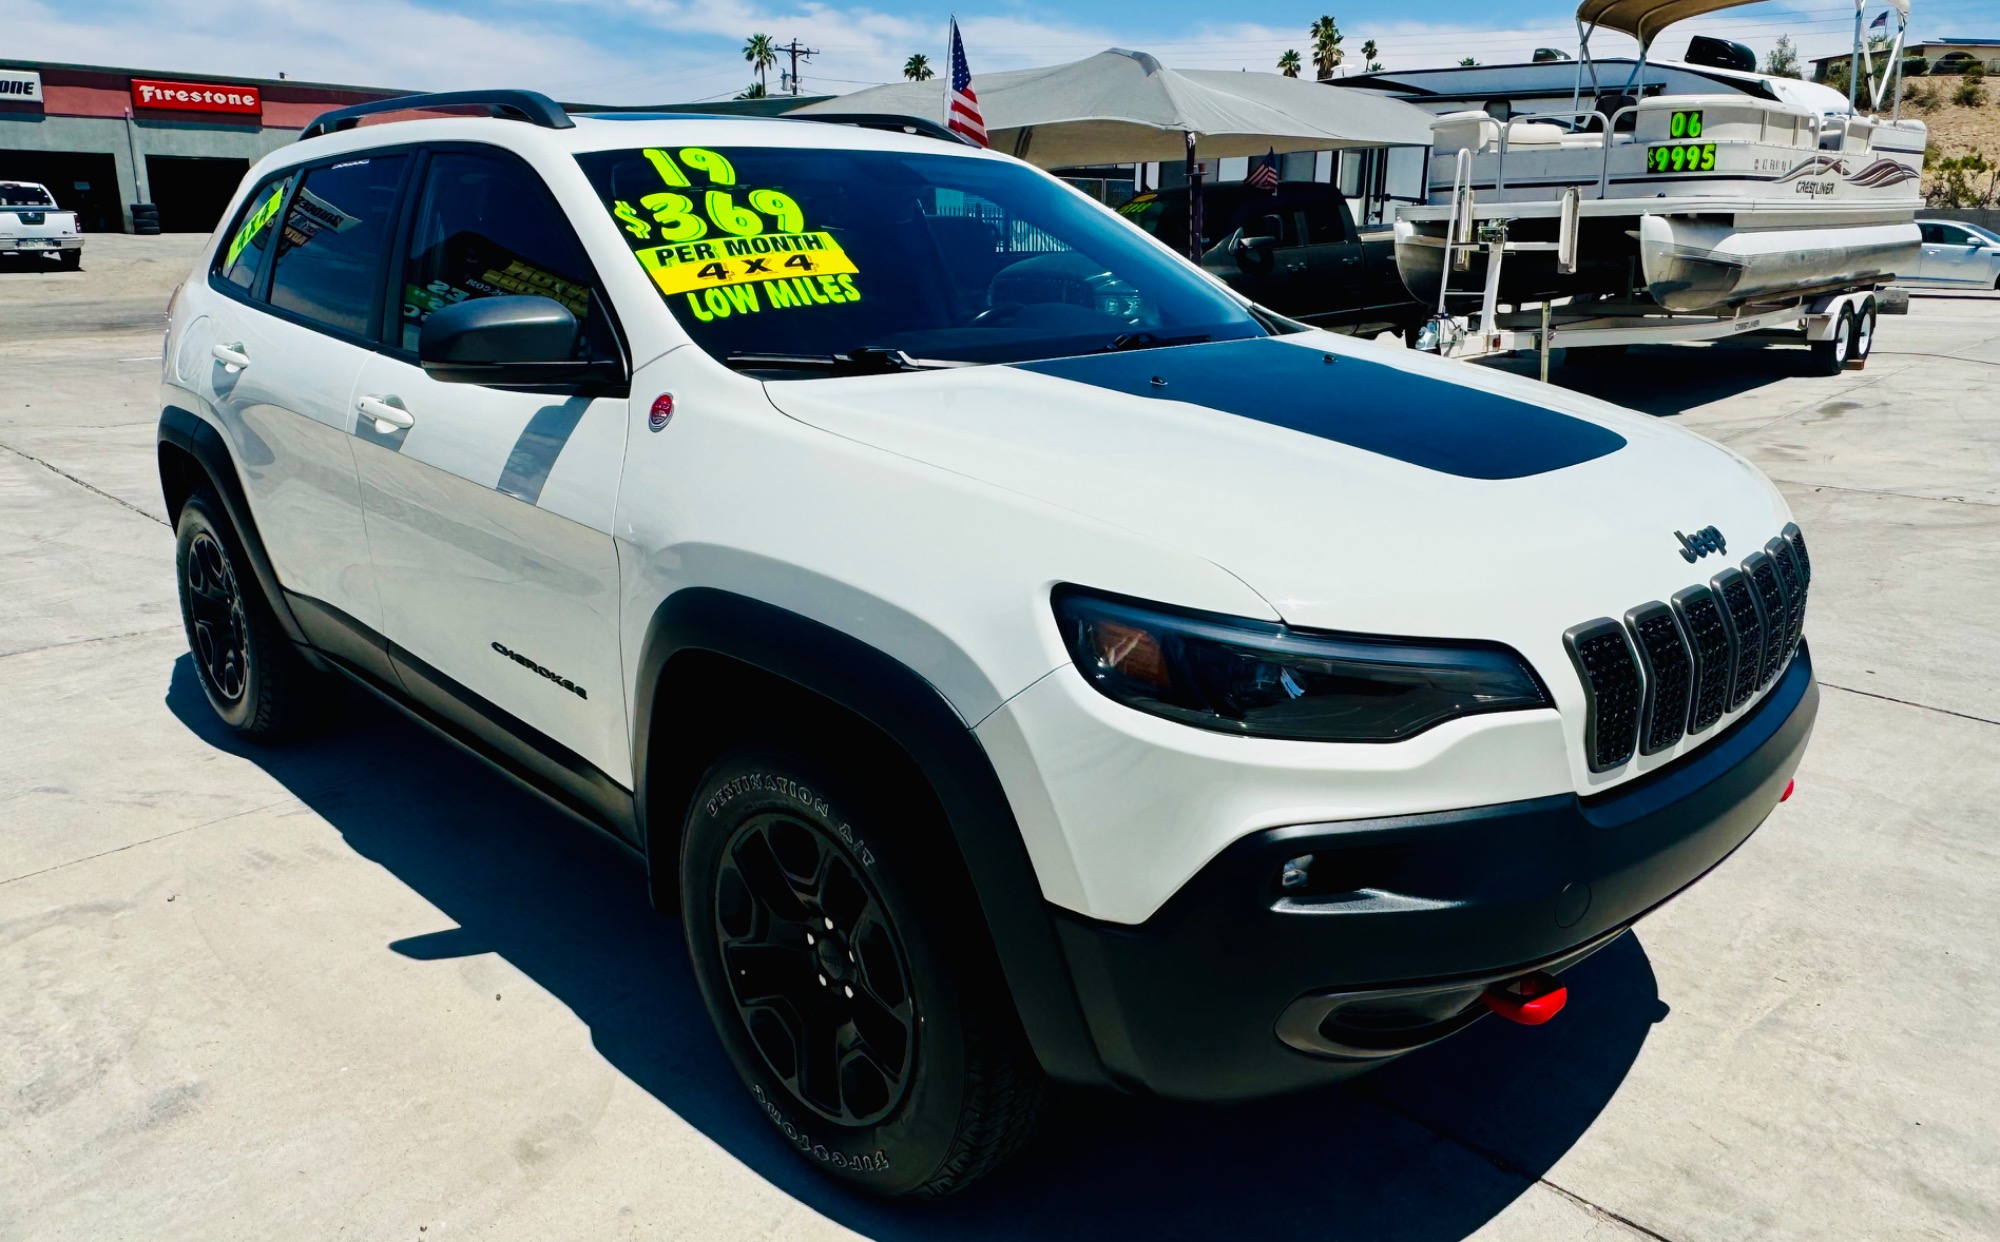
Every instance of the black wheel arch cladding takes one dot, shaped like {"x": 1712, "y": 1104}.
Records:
{"x": 915, "y": 717}
{"x": 193, "y": 453}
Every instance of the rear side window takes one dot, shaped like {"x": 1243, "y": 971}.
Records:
{"x": 487, "y": 226}
{"x": 248, "y": 251}
{"x": 329, "y": 251}
{"x": 1931, "y": 233}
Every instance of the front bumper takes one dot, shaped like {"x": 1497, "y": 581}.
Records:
{"x": 1236, "y": 989}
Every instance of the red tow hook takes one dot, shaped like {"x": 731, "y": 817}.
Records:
{"x": 1530, "y": 1000}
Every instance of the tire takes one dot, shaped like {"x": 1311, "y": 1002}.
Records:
{"x": 1829, "y": 357}
{"x": 70, "y": 260}
{"x": 251, "y": 674}
{"x": 854, "y": 996}
{"x": 1864, "y": 331}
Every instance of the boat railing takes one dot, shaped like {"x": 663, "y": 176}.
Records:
{"x": 1610, "y": 130}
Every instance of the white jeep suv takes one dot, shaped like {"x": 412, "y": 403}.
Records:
{"x": 1018, "y": 658}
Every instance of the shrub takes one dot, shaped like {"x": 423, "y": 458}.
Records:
{"x": 1915, "y": 66}
{"x": 1971, "y": 93}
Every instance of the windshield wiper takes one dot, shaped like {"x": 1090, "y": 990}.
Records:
{"x": 867, "y": 360}
{"x": 1146, "y": 340}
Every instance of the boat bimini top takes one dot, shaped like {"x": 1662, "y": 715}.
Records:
{"x": 1645, "y": 19}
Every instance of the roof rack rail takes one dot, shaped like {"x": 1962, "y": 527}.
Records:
{"x": 889, "y": 121}
{"x": 530, "y": 106}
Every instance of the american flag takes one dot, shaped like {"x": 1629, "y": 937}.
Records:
{"x": 961, "y": 105}
{"x": 1264, "y": 173}
{"x": 1882, "y": 21}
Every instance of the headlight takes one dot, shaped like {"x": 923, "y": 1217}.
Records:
{"x": 1264, "y": 680}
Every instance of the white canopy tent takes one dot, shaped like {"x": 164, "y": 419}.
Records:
{"x": 1121, "y": 107}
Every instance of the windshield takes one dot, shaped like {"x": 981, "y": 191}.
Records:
{"x": 772, "y": 251}
{"x": 24, "y": 196}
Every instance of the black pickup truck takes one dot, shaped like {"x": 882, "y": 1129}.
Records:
{"x": 1294, "y": 249}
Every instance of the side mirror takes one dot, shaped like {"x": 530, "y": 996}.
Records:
{"x": 1254, "y": 245}
{"x": 508, "y": 342}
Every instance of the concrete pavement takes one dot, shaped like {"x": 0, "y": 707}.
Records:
{"x": 362, "y": 988}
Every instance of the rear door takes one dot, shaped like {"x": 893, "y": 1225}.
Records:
{"x": 276, "y": 357}
{"x": 490, "y": 514}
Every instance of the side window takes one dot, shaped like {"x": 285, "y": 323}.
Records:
{"x": 1951, "y": 235}
{"x": 330, "y": 249}
{"x": 1326, "y": 222}
{"x": 1932, "y": 233}
{"x": 247, "y": 252}
{"x": 486, "y": 226}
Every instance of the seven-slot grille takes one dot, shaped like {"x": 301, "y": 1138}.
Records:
{"x": 1669, "y": 670}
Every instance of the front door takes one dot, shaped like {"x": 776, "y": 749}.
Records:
{"x": 489, "y": 513}
{"x": 1955, "y": 259}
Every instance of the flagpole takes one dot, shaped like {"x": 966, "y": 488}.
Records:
{"x": 944, "y": 96}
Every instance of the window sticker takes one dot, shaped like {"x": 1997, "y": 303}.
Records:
{"x": 254, "y": 224}
{"x": 726, "y": 250}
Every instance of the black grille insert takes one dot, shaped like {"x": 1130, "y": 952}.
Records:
{"x": 1668, "y": 670}
{"x": 1745, "y": 619}
{"x": 1771, "y": 599}
{"x": 1603, "y": 658}
{"x": 1794, "y": 582}
{"x": 1708, "y": 638}
{"x": 1797, "y": 538}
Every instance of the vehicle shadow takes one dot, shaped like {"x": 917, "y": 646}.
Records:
{"x": 1426, "y": 1150}
{"x": 1666, "y": 380}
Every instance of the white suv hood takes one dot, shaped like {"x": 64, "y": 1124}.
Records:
{"x": 1403, "y": 537}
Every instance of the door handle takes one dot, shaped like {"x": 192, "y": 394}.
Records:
{"x": 231, "y": 357}
{"x": 387, "y": 417}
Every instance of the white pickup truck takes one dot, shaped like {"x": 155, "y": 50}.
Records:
{"x": 32, "y": 224}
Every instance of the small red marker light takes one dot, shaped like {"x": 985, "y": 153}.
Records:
{"x": 1530, "y": 1000}
{"x": 1789, "y": 785}
{"x": 662, "y": 412}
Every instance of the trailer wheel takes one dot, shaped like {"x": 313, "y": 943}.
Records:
{"x": 1829, "y": 357}
{"x": 1864, "y": 330}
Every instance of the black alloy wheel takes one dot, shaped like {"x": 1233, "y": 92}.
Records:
{"x": 249, "y": 671}
{"x": 219, "y": 629}
{"x": 815, "y": 969}
{"x": 840, "y": 951}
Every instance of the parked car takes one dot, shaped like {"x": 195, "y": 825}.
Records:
{"x": 1955, "y": 253}
{"x": 32, "y": 224}
{"x": 1017, "y": 657}
{"x": 1294, "y": 249}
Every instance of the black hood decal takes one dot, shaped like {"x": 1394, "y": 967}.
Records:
{"x": 1413, "y": 418}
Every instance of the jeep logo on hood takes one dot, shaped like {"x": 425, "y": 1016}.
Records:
{"x": 1700, "y": 544}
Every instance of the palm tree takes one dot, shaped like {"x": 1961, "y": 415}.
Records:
{"x": 1288, "y": 64}
{"x": 1468, "y": 63}
{"x": 756, "y": 91}
{"x": 1326, "y": 46}
{"x": 1371, "y": 65}
{"x": 918, "y": 68}
{"x": 761, "y": 55}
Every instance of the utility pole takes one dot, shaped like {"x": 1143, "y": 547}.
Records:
{"x": 797, "y": 54}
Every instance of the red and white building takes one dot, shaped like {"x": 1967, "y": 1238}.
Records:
{"x": 102, "y": 139}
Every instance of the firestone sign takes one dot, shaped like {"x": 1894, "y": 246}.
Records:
{"x": 20, "y": 86}
{"x": 195, "y": 96}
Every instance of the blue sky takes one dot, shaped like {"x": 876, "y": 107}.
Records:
{"x": 634, "y": 51}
